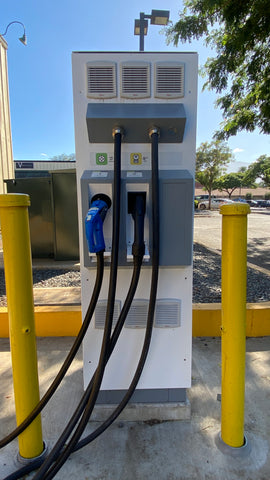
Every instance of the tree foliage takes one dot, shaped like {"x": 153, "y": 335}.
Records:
{"x": 211, "y": 161}
{"x": 231, "y": 181}
{"x": 260, "y": 170}
{"x": 63, "y": 157}
{"x": 239, "y": 31}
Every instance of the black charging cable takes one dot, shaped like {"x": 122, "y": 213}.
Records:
{"x": 117, "y": 134}
{"x": 33, "y": 465}
{"x": 74, "y": 349}
{"x": 154, "y": 282}
{"x": 111, "y": 295}
{"x": 77, "y": 414}
{"x": 154, "y": 135}
{"x": 138, "y": 249}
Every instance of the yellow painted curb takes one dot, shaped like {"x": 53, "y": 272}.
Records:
{"x": 207, "y": 319}
{"x": 58, "y": 321}
{"x": 65, "y": 321}
{"x": 51, "y": 321}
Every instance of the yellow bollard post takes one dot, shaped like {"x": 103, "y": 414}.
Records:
{"x": 233, "y": 331}
{"x": 19, "y": 289}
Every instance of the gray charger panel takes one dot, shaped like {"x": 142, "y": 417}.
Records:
{"x": 176, "y": 217}
{"x": 176, "y": 190}
{"x": 136, "y": 119}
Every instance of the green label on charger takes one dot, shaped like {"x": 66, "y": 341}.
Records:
{"x": 101, "y": 158}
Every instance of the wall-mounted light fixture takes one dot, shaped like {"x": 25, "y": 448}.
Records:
{"x": 22, "y": 39}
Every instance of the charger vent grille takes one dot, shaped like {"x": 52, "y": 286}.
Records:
{"x": 137, "y": 314}
{"x": 169, "y": 80}
{"x": 135, "y": 80}
{"x": 168, "y": 313}
{"x": 101, "y": 80}
{"x": 100, "y": 313}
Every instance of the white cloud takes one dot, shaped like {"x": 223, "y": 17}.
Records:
{"x": 238, "y": 150}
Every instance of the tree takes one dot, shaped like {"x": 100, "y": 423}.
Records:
{"x": 230, "y": 181}
{"x": 239, "y": 31}
{"x": 63, "y": 157}
{"x": 260, "y": 169}
{"x": 211, "y": 159}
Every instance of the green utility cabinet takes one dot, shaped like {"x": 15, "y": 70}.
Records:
{"x": 53, "y": 216}
{"x": 65, "y": 212}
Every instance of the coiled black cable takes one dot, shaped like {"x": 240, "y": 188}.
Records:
{"x": 153, "y": 292}
{"x": 28, "y": 468}
{"x": 59, "y": 377}
{"x": 151, "y": 310}
{"x": 152, "y": 300}
{"x": 33, "y": 465}
{"x": 77, "y": 414}
{"x": 138, "y": 253}
{"x": 109, "y": 312}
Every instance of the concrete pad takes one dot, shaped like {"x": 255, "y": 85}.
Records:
{"x": 170, "y": 450}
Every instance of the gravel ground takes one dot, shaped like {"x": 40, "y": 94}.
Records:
{"x": 206, "y": 279}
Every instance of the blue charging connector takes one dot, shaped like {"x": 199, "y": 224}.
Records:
{"x": 94, "y": 222}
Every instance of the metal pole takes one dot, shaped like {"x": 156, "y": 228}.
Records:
{"x": 141, "y": 31}
{"x": 233, "y": 331}
{"x": 19, "y": 288}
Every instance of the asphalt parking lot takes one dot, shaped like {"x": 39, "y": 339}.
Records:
{"x": 208, "y": 228}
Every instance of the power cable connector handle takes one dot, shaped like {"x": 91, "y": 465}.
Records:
{"x": 137, "y": 210}
{"x": 95, "y": 217}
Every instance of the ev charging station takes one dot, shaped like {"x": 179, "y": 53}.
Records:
{"x": 134, "y": 92}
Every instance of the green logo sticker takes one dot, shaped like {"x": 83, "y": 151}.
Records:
{"x": 101, "y": 158}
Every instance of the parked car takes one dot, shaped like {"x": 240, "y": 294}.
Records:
{"x": 263, "y": 203}
{"x": 215, "y": 203}
{"x": 239, "y": 199}
{"x": 252, "y": 203}
{"x": 203, "y": 197}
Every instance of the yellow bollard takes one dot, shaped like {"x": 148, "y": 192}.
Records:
{"x": 19, "y": 289}
{"x": 233, "y": 331}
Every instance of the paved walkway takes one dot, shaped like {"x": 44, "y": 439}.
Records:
{"x": 178, "y": 450}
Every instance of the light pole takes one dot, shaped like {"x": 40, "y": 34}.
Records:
{"x": 22, "y": 39}
{"x": 157, "y": 17}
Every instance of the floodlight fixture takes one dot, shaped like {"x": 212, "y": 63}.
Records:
{"x": 22, "y": 39}
{"x": 160, "y": 17}
{"x": 157, "y": 17}
{"x": 137, "y": 27}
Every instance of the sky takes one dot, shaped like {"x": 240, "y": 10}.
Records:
{"x": 40, "y": 77}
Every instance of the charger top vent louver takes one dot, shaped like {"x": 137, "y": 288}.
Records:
{"x": 135, "y": 80}
{"x": 101, "y": 79}
{"x": 169, "y": 80}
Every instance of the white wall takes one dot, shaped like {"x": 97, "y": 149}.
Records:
{"x": 6, "y": 156}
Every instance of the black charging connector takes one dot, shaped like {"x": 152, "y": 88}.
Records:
{"x": 137, "y": 208}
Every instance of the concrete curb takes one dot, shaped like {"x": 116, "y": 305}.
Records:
{"x": 65, "y": 320}
{"x": 207, "y": 319}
